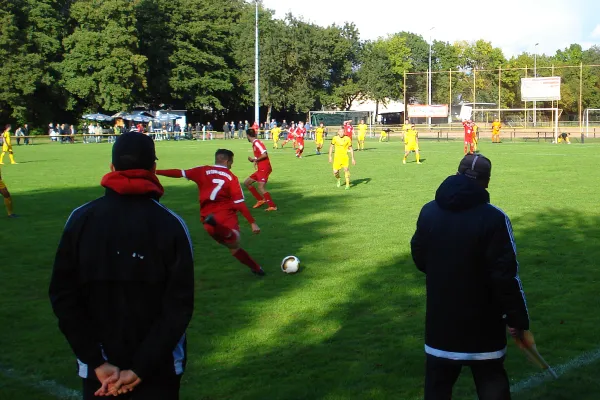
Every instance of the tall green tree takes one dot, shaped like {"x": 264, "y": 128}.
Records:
{"x": 102, "y": 68}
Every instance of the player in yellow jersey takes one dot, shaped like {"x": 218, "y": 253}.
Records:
{"x": 7, "y": 146}
{"x": 362, "y": 134}
{"x": 276, "y": 131}
{"x": 475, "y": 137}
{"x": 7, "y": 199}
{"x": 407, "y": 125}
{"x": 343, "y": 146}
{"x": 496, "y": 126}
{"x": 319, "y": 133}
{"x": 383, "y": 137}
{"x": 411, "y": 143}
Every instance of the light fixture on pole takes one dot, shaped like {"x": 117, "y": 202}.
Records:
{"x": 429, "y": 78}
{"x": 535, "y": 76}
{"x": 256, "y": 91}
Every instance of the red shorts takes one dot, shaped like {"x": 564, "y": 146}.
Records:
{"x": 290, "y": 137}
{"x": 261, "y": 176}
{"x": 300, "y": 142}
{"x": 228, "y": 230}
{"x": 350, "y": 136}
{"x": 468, "y": 139}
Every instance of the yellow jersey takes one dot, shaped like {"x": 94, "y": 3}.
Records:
{"x": 276, "y": 132}
{"x": 342, "y": 144}
{"x": 496, "y": 126}
{"x": 6, "y": 137}
{"x": 410, "y": 137}
{"x": 406, "y": 127}
{"x": 319, "y": 134}
{"x": 362, "y": 130}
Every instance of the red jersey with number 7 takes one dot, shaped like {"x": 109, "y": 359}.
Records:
{"x": 259, "y": 149}
{"x": 219, "y": 189}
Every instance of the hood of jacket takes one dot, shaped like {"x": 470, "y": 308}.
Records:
{"x": 458, "y": 193}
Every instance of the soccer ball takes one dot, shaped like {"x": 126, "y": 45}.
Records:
{"x": 290, "y": 264}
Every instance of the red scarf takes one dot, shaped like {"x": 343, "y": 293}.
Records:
{"x": 133, "y": 181}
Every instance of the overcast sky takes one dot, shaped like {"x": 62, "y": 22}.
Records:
{"x": 513, "y": 25}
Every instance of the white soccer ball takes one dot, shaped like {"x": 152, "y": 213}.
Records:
{"x": 290, "y": 264}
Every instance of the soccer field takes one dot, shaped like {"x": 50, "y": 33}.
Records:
{"x": 350, "y": 325}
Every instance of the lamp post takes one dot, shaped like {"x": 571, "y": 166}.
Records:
{"x": 256, "y": 92}
{"x": 535, "y": 76}
{"x": 429, "y": 78}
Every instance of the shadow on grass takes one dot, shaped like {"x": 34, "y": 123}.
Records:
{"x": 350, "y": 331}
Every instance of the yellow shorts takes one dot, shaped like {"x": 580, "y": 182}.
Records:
{"x": 340, "y": 164}
{"x": 319, "y": 142}
{"x": 2, "y": 185}
{"x": 361, "y": 138}
{"x": 411, "y": 147}
{"x": 7, "y": 148}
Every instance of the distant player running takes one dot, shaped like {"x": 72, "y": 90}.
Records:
{"x": 7, "y": 146}
{"x": 411, "y": 143}
{"x": 319, "y": 133}
{"x": 276, "y": 131}
{"x": 221, "y": 198}
{"x": 475, "y": 137}
{"x": 299, "y": 136}
{"x": 496, "y": 126}
{"x": 263, "y": 170}
{"x": 291, "y": 132}
{"x": 7, "y": 199}
{"x": 384, "y": 136}
{"x": 362, "y": 134}
{"x": 468, "y": 137}
{"x": 349, "y": 130}
{"x": 343, "y": 146}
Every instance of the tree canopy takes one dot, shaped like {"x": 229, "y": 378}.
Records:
{"x": 61, "y": 58}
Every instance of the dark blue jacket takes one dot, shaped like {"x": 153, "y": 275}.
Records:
{"x": 466, "y": 248}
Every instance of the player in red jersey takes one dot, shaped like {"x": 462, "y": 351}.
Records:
{"x": 263, "y": 170}
{"x": 221, "y": 198}
{"x": 291, "y": 135}
{"x": 348, "y": 130}
{"x": 299, "y": 135}
{"x": 468, "y": 125}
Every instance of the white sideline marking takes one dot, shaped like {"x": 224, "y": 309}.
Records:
{"x": 49, "y": 387}
{"x": 541, "y": 377}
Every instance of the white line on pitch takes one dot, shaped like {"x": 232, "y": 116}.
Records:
{"x": 47, "y": 386}
{"x": 539, "y": 378}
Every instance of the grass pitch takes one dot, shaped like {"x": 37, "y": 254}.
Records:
{"x": 350, "y": 324}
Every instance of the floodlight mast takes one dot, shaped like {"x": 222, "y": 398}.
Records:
{"x": 256, "y": 91}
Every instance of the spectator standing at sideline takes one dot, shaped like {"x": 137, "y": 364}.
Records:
{"x": 26, "y": 133}
{"x": 226, "y": 130}
{"x": 240, "y": 130}
{"x": 19, "y": 133}
{"x": 467, "y": 250}
{"x": 122, "y": 286}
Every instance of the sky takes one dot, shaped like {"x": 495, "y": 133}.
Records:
{"x": 513, "y": 25}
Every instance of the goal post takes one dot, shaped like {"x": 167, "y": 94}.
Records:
{"x": 337, "y": 118}
{"x": 521, "y": 117}
{"x": 586, "y": 119}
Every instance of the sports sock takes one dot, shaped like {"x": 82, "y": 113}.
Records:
{"x": 1, "y": 157}
{"x": 245, "y": 259}
{"x": 12, "y": 158}
{"x": 269, "y": 199}
{"x": 300, "y": 151}
{"x": 347, "y": 175}
{"x": 255, "y": 193}
{"x": 8, "y": 204}
{"x": 418, "y": 157}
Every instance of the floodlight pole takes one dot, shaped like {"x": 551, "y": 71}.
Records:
{"x": 429, "y": 81}
{"x": 256, "y": 91}
{"x": 535, "y": 76}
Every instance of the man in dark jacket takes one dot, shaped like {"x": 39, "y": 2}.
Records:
{"x": 123, "y": 282}
{"x": 466, "y": 248}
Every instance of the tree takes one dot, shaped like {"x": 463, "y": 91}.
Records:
{"x": 102, "y": 67}
{"x": 377, "y": 79}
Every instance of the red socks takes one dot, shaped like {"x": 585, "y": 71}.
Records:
{"x": 245, "y": 259}
{"x": 255, "y": 193}
{"x": 269, "y": 199}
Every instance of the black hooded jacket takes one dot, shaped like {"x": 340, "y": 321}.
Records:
{"x": 466, "y": 248}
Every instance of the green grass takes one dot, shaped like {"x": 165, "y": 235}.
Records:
{"x": 350, "y": 324}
